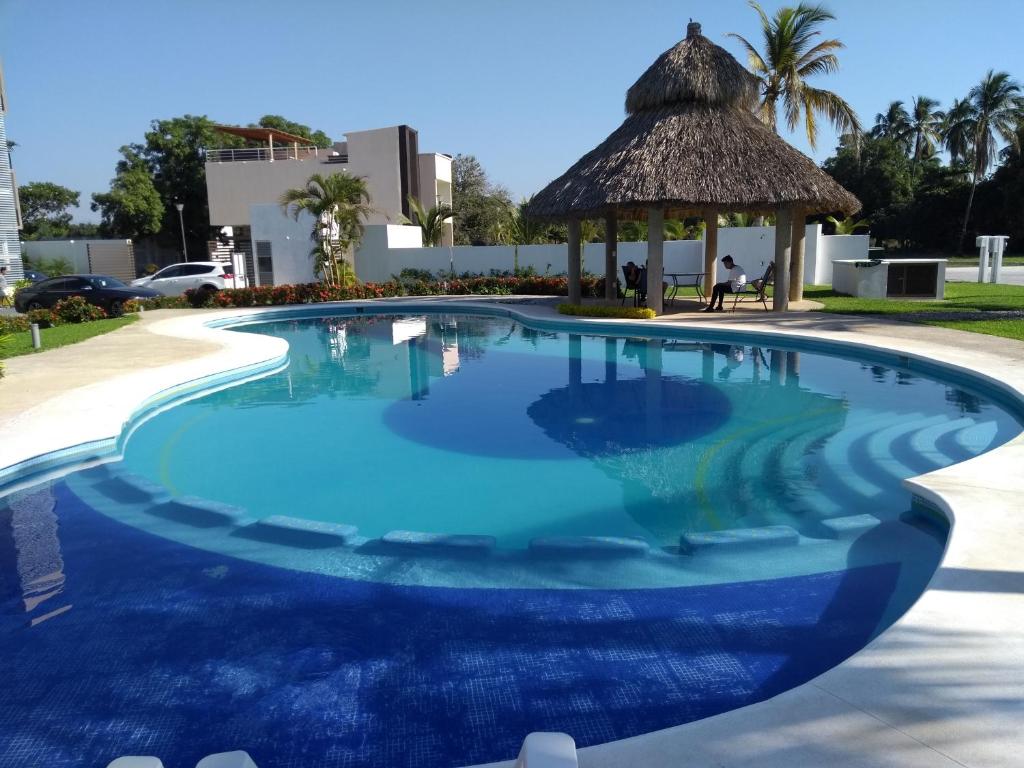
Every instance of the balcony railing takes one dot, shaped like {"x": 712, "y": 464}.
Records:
{"x": 260, "y": 154}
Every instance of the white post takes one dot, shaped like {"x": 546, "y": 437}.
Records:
{"x": 270, "y": 141}
{"x": 982, "y": 242}
{"x": 575, "y": 294}
{"x": 655, "y": 259}
{"x": 999, "y": 243}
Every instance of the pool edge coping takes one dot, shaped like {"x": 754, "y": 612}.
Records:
{"x": 955, "y": 491}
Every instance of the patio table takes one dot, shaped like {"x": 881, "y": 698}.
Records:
{"x": 685, "y": 277}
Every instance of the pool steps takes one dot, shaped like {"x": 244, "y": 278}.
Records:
{"x": 614, "y": 546}
{"x": 297, "y": 532}
{"x": 455, "y": 542}
{"x": 740, "y": 538}
{"x": 851, "y": 526}
{"x": 853, "y": 464}
{"x": 201, "y": 513}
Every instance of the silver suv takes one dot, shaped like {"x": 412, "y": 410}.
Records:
{"x": 200, "y": 275}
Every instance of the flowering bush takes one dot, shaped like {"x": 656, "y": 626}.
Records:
{"x": 313, "y": 293}
{"x": 14, "y": 324}
{"x": 75, "y": 309}
{"x": 602, "y": 310}
{"x": 44, "y": 318}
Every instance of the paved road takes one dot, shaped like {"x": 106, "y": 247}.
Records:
{"x": 1007, "y": 275}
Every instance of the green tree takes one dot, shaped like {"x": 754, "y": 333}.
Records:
{"x": 44, "y": 209}
{"x": 339, "y": 204}
{"x": 431, "y": 222}
{"x": 280, "y": 123}
{"x": 894, "y": 124}
{"x": 173, "y": 151}
{"x": 957, "y": 131}
{"x": 793, "y": 53}
{"x": 482, "y": 206}
{"x": 998, "y": 108}
{"x": 878, "y": 172}
{"x": 132, "y": 208}
{"x": 926, "y": 126}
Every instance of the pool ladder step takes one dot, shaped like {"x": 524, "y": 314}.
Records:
{"x": 739, "y": 538}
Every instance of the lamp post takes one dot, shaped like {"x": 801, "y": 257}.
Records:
{"x": 181, "y": 220}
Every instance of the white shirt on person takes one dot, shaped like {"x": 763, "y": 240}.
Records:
{"x": 737, "y": 278}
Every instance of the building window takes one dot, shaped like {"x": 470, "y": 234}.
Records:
{"x": 264, "y": 263}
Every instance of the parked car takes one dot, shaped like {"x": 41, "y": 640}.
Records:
{"x": 34, "y": 275}
{"x": 102, "y": 290}
{"x": 197, "y": 275}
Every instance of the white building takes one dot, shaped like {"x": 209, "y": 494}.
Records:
{"x": 10, "y": 213}
{"x": 244, "y": 187}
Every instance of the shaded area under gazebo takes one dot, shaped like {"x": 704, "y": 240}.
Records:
{"x": 691, "y": 145}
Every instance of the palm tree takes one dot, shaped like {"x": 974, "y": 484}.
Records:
{"x": 339, "y": 204}
{"x": 519, "y": 228}
{"x": 958, "y": 130}
{"x": 998, "y": 108}
{"x": 894, "y": 124}
{"x": 792, "y": 54}
{"x": 848, "y": 225}
{"x": 926, "y": 124}
{"x": 431, "y": 222}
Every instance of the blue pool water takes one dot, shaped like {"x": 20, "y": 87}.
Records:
{"x": 134, "y": 625}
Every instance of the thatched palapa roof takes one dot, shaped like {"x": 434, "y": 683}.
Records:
{"x": 691, "y": 142}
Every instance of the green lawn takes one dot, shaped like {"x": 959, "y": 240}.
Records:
{"x": 62, "y": 335}
{"x": 972, "y": 261}
{"x": 960, "y": 297}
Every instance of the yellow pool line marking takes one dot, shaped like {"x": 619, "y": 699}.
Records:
{"x": 164, "y": 464}
{"x": 702, "y": 467}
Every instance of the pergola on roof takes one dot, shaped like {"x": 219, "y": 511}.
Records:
{"x": 691, "y": 143}
{"x": 266, "y": 135}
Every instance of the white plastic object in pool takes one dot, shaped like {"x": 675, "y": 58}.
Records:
{"x": 546, "y": 750}
{"x": 237, "y": 759}
{"x": 136, "y": 762}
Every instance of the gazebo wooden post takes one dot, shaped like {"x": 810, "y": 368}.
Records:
{"x": 796, "y": 268}
{"x": 655, "y": 259}
{"x": 611, "y": 260}
{"x": 783, "y": 238}
{"x": 575, "y": 294}
{"x": 710, "y": 250}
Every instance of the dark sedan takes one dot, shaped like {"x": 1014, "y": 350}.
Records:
{"x": 101, "y": 290}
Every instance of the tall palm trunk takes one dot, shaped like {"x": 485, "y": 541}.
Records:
{"x": 967, "y": 214}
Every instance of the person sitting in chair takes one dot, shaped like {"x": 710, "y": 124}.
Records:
{"x": 736, "y": 282}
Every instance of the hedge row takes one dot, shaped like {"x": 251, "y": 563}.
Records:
{"x": 313, "y": 293}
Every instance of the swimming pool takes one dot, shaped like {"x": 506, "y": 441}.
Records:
{"x": 753, "y": 532}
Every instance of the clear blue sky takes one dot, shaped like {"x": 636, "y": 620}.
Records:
{"x": 526, "y": 86}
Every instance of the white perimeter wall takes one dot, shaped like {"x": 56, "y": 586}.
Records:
{"x": 386, "y": 251}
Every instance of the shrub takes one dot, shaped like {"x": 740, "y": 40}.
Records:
{"x": 165, "y": 302}
{"x": 44, "y": 318}
{"x": 75, "y": 309}
{"x": 603, "y": 310}
{"x": 411, "y": 273}
{"x": 13, "y": 324}
{"x": 313, "y": 293}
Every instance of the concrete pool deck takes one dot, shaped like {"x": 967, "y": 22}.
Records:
{"x": 944, "y": 686}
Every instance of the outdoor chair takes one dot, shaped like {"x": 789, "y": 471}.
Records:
{"x": 756, "y": 290}
{"x": 638, "y": 286}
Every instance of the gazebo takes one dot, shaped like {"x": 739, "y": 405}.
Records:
{"x": 691, "y": 145}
